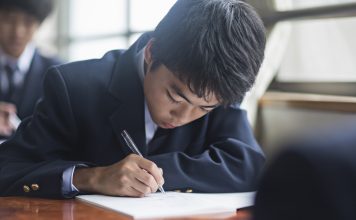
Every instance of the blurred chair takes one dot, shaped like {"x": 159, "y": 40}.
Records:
{"x": 314, "y": 178}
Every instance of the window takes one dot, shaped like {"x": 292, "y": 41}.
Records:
{"x": 300, "y": 4}
{"x": 319, "y": 50}
{"x": 94, "y": 27}
{"x": 46, "y": 37}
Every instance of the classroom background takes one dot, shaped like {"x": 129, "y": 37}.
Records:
{"x": 306, "y": 83}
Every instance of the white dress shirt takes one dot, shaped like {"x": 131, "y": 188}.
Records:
{"x": 150, "y": 126}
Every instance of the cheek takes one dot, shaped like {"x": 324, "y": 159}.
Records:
{"x": 159, "y": 98}
{"x": 197, "y": 114}
{"x": 4, "y": 31}
{"x": 184, "y": 115}
{"x": 31, "y": 31}
{"x": 164, "y": 106}
{"x": 157, "y": 102}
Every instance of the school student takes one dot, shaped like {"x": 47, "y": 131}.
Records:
{"x": 22, "y": 66}
{"x": 176, "y": 91}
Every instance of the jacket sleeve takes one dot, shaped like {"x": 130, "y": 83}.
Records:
{"x": 33, "y": 160}
{"x": 231, "y": 161}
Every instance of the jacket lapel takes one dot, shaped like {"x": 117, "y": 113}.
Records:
{"x": 129, "y": 117}
{"x": 27, "y": 94}
{"x": 127, "y": 87}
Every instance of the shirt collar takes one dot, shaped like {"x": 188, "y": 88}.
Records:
{"x": 140, "y": 63}
{"x": 23, "y": 62}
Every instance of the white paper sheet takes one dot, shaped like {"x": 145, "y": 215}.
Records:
{"x": 173, "y": 204}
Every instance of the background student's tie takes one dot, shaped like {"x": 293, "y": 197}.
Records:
{"x": 9, "y": 73}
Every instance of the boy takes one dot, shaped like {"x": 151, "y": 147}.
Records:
{"x": 22, "y": 67}
{"x": 175, "y": 91}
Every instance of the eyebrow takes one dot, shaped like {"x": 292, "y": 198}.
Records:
{"x": 180, "y": 93}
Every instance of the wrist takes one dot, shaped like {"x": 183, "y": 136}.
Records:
{"x": 85, "y": 179}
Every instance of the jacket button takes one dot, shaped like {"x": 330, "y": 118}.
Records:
{"x": 189, "y": 191}
{"x": 26, "y": 188}
{"x": 35, "y": 187}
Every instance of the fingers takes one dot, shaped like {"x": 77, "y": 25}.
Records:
{"x": 131, "y": 185}
{"x": 6, "y": 128}
{"x": 134, "y": 192}
{"x": 6, "y": 131}
{"x": 143, "y": 188}
{"x": 148, "y": 180}
{"x": 7, "y": 107}
{"x": 134, "y": 176}
{"x": 152, "y": 169}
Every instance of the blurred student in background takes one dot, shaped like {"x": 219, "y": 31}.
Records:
{"x": 22, "y": 67}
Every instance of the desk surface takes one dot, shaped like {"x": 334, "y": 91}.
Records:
{"x": 21, "y": 208}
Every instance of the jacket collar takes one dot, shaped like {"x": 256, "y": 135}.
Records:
{"x": 126, "y": 86}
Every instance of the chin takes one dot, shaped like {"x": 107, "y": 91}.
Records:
{"x": 15, "y": 51}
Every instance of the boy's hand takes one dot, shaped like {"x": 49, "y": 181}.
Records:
{"x": 6, "y": 109}
{"x": 133, "y": 176}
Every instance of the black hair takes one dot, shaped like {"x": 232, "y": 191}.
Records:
{"x": 40, "y": 9}
{"x": 214, "y": 46}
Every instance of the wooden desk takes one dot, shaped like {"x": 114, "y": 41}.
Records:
{"x": 21, "y": 208}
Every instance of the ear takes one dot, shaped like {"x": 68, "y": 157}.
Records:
{"x": 148, "y": 54}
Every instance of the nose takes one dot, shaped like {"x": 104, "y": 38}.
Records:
{"x": 19, "y": 30}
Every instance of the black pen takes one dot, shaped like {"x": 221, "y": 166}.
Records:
{"x": 135, "y": 150}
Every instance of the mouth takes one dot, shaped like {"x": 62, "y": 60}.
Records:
{"x": 16, "y": 45}
{"x": 167, "y": 125}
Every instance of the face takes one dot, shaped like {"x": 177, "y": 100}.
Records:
{"x": 16, "y": 31}
{"x": 169, "y": 100}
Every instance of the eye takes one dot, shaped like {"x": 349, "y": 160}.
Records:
{"x": 171, "y": 98}
{"x": 205, "y": 110}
